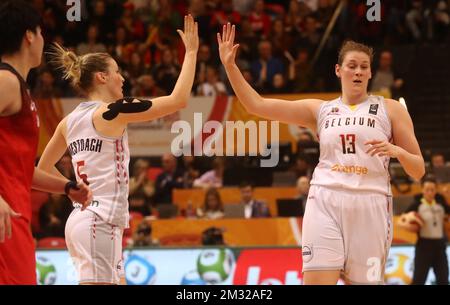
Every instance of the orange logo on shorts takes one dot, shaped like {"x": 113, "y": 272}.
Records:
{"x": 350, "y": 169}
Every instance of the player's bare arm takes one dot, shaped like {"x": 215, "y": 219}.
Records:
{"x": 10, "y": 100}
{"x": 300, "y": 112}
{"x": 47, "y": 178}
{"x": 405, "y": 146}
{"x": 177, "y": 100}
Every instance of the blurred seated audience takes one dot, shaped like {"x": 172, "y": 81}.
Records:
{"x": 168, "y": 180}
{"x": 141, "y": 189}
{"x": 302, "y": 190}
{"x": 212, "y": 206}
{"x": 212, "y": 178}
{"x": 53, "y": 216}
{"x": 142, "y": 237}
{"x": 253, "y": 207}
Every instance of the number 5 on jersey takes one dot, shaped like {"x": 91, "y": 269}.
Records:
{"x": 348, "y": 143}
{"x": 83, "y": 177}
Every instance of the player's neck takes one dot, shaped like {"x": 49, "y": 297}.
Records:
{"x": 354, "y": 99}
{"x": 101, "y": 97}
{"x": 18, "y": 63}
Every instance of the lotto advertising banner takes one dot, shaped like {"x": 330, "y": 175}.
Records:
{"x": 224, "y": 266}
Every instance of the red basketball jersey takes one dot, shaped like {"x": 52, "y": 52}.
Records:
{"x": 19, "y": 136}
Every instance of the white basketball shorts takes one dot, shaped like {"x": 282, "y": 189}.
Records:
{"x": 349, "y": 231}
{"x": 95, "y": 247}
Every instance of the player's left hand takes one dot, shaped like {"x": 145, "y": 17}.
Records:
{"x": 382, "y": 148}
{"x": 82, "y": 194}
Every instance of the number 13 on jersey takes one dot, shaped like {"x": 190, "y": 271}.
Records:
{"x": 348, "y": 143}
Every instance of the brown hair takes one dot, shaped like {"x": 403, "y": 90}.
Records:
{"x": 351, "y": 45}
{"x": 214, "y": 192}
{"x": 79, "y": 70}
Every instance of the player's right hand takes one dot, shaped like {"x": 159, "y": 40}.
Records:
{"x": 227, "y": 48}
{"x": 190, "y": 34}
{"x": 5, "y": 219}
{"x": 82, "y": 194}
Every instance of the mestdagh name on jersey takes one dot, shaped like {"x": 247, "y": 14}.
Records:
{"x": 89, "y": 144}
{"x": 346, "y": 121}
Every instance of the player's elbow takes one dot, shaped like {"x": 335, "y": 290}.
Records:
{"x": 181, "y": 100}
{"x": 418, "y": 173}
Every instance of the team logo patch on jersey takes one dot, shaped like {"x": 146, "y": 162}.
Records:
{"x": 373, "y": 109}
{"x": 334, "y": 110}
{"x": 307, "y": 253}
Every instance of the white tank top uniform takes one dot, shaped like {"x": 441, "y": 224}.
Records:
{"x": 347, "y": 223}
{"x": 94, "y": 236}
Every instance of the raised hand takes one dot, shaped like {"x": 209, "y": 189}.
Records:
{"x": 82, "y": 194}
{"x": 190, "y": 34}
{"x": 227, "y": 48}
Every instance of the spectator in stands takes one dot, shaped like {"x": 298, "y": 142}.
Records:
{"x": 302, "y": 167}
{"x": 437, "y": 160}
{"x": 136, "y": 67}
{"x": 302, "y": 190}
{"x": 438, "y": 168}
{"x": 190, "y": 171}
{"x": 198, "y": 10}
{"x": 53, "y": 215}
{"x": 324, "y": 12}
{"x": 211, "y": 85}
{"x": 281, "y": 41}
{"x": 266, "y": 66}
{"x": 244, "y": 7}
{"x": 293, "y": 20}
{"x": 168, "y": 19}
{"x": 166, "y": 73}
{"x": 130, "y": 22}
{"x": 248, "y": 41}
{"x": 253, "y": 208}
{"x": 92, "y": 45}
{"x": 259, "y": 20}
{"x": 212, "y": 178}
{"x": 146, "y": 87}
{"x": 441, "y": 21}
{"x": 203, "y": 61}
{"x": 430, "y": 212}
{"x": 141, "y": 189}
{"x": 225, "y": 13}
{"x": 310, "y": 36}
{"x": 119, "y": 48}
{"x": 105, "y": 26}
{"x": 384, "y": 77}
{"x": 417, "y": 20}
{"x": 142, "y": 237}
{"x": 303, "y": 80}
{"x": 45, "y": 85}
{"x": 212, "y": 206}
{"x": 168, "y": 180}
{"x": 213, "y": 237}
{"x": 279, "y": 85}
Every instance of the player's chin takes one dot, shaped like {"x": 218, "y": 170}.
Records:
{"x": 119, "y": 95}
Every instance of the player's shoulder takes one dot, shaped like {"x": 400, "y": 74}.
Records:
{"x": 10, "y": 102}
{"x": 394, "y": 107}
{"x": 8, "y": 81}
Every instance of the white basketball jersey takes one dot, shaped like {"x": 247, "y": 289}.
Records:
{"x": 103, "y": 162}
{"x": 343, "y": 131}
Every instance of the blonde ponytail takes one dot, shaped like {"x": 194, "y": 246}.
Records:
{"x": 79, "y": 70}
{"x": 68, "y": 62}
